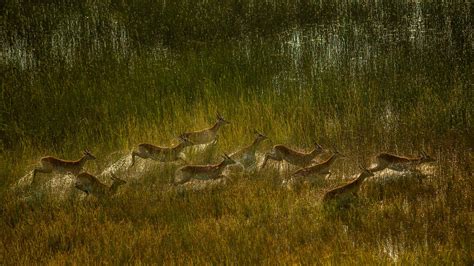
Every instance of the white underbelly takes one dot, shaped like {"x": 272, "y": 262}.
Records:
{"x": 163, "y": 157}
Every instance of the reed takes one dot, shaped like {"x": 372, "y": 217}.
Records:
{"x": 366, "y": 76}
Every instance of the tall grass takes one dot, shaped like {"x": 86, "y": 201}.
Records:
{"x": 367, "y": 76}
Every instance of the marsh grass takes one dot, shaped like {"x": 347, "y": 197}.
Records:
{"x": 364, "y": 76}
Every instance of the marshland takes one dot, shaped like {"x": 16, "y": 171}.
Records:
{"x": 359, "y": 77}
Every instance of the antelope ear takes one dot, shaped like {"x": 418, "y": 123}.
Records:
{"x": 226, "y": 156}
{"x": 218, "y": 115}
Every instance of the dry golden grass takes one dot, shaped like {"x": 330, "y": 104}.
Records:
{"x": 391, "y": 76}
{"x": 252, "y": 219}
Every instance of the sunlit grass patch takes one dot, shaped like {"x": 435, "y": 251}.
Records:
{"x": 363, "y": 77}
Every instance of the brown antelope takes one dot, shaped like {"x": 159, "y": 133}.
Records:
{"x": 283, "y": 153}
{"x": 320, "y": 169}
{"x": 203, "y": 172}
{"x": 351, "y": 187}
{"x": 91, "y": 185}
{"x": 162, "y": 154}
{"x": 51, "y": 164}
{"x": 206, "y": 135}
{"x": 246, "y": 156}
{"x": 398, "y": 163}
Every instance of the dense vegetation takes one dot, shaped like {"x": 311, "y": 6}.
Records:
{"x": 367, "y": 76}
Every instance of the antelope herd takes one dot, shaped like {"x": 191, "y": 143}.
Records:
{"x": 245, "y": 158}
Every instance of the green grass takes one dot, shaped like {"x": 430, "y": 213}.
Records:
{"x": 366, "y": 77}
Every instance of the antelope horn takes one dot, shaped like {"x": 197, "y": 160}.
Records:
{"x": 317, "y": 145}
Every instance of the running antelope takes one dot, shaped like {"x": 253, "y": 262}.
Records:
{"x": 283, "y": 153}
{"x": 398, "y": 163}
{"x": 206, "y": 135}
{"x": 203, "y": 172}
{"x": 246, "y": 156}
{"x": 91, "y": 185}
{"x": 320, "y": 169}
{"x": 351, "y": 187}
{"x": 162, "y": 154}
{"x": 51, "y": 164}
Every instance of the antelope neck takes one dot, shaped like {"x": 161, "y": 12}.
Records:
{"x": 113, "y": 188}
{"x": 314, "y": 152}
{"x": 216, "y": 126}
{"x": 83, "y": 160}
{"x": 221, "y": 164}
{"x": 331, "y": 159}
{"x": 180, "y": 146}
{"x": 255, "y": 143}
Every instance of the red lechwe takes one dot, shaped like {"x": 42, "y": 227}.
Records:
{"x": 246, "y": 156}
{"x": 91, "y": 185}
{"x": 284, "y": 153}
{"x": 51, "y": 164}
{"x": 162, "y": 154}
{"x": 398, "y": 163}
{"x": 351, "y": 187}
{"x": 206, "y": 135}
{"x": 319, "y": 169}
{"x": 202, "y": 172}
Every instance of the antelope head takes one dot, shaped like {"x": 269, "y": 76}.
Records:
{"x": 116, "y": 181}
{"x": 185, "y": 141}
{"x": 221, "y": 120}
{"x": 88, "y": 155}
{"x": 365, "y": 171}
{"x": 318, "y": 147}
{"x": 425, "y": 158}
{"x": 259, "y": 135}
{"x": 336, "y": 153}
{"x": 227, "y": 160}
